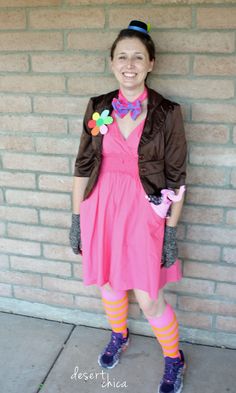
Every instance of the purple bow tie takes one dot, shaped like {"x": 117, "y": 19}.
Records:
{"x": 122, "y": 107}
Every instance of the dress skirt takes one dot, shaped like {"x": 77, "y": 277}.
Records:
{"x": 122, "y": 236}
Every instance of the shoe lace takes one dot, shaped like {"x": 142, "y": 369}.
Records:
{"x": 113, "y": 345}
{"x": 171, "y": 370}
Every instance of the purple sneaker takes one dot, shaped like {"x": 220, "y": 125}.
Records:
{"x": 172, "y": 381}
{"x": 110, "y": 357}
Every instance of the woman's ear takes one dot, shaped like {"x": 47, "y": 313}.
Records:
{"x": 152, "y": 62}
{"x": 110, "y": 64}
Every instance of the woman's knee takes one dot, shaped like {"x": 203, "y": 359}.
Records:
{"x": 150, "y": 307}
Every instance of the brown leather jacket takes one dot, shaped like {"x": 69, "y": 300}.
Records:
{"x": 161, "y": 149}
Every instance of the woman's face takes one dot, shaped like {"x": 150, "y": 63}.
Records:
{"x": 131, "y": 63}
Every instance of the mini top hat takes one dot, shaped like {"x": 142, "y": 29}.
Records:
{"x": 139, "y": 26}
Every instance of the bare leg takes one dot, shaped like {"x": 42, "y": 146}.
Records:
{"x": 150, "y": 307}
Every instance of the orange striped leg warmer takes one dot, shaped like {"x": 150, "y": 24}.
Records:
{"x": 116, "y": 307}
{"x": 166, "y": 331}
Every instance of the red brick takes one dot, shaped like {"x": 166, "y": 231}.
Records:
{"x": 231, "y": 217}
{"x": 20, "y": 247}
{"x": 38, "y": 233}
{"x": 210, "y": 271}
{"x": 202, "y": 215}
{"x": 199, "y": 251}
{"x": 171, "y": 299}
{"x": 4, "y": 262}
{"x": 55, "y": 183}
{"x": 227, "y": 290}
{"x": 215, "y": 156}
{"x": 14, "y": 63}
{"x": 38, "y": 199}
{"x": 2, "y": 228}
{"x": 91, "y": 86}
{"x": 91, "y": 40}
{"x": 15, "y": 143}
{"x": 89, "y": 2}
{"x": 233, "y": 178}
{"x": 5, "y": 290}
{"x": 75, "y": 126}
{"x": 194, "y": 286}
{"x": 18, "y": 214}
{"x": 234, "y": 135}
{"x": 77, "y": 270}
{"x": 207, "y": 176}
{"x": 192, "y": 1}
{"x": 195, "y": 320}
{"x": 55, "y": 218}
{"x": 188, "y": 303}
{"x": 216, "y": 18}
{"x": 69, "y": 286}
{"x": 227, "y": 324}
{"x": 15, "y": 104}
{"x": 29, "y": 3}
{"x": 53, "y": 251}
{"x": 89, "y": 303}
{"x": 43, "y": 266}
{"x": 12, "y": 20}
{"x": 214, "y": 112}
{"x": 171, "y": 64}
{"x": 32, "y": 84}
{"x": 213, "y": 197}
{"x": 229, "y": 255}
{"x": 68, "y": 63}
{"x": 66, "y": 19}
{"x": 194, "y": 88}
{"x": 20, "y": 278}
{"x": 207, "y": 133}
{"x": 194, "y": 42}
{"x": 215, "y": 65}
{"x": 33, "y": 124}
{"x": 57, "y": 146}
{"x": 167, "y": 17}
{"x": 31, "y": 41}
{"x": 212, "y": 234}
{"x": 34, "y": 163}
{"x": 61, "y": 105}
{"x": 181, "y": 232}
{"x": 42, "y": 296}
{"x": 17, "y": 179}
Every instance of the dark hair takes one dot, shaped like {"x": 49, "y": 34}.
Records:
{"x": 144, "y": 38}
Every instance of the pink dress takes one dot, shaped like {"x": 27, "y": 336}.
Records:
{"x": 121, "y": 234}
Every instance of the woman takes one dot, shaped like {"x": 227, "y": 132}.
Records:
{"x": 132, "y": 148}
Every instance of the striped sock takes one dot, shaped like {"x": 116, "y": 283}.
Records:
{"x": 166, "y": 331}
{"x": 116, "y": 307}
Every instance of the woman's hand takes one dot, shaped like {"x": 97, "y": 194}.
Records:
{"x": 170, "y": 248}
{"x": 75, "y": 234}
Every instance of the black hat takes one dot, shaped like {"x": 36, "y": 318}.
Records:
{"x": 139, "y": 26}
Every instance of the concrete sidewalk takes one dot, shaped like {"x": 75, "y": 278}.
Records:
{"x": 38, "y": 355}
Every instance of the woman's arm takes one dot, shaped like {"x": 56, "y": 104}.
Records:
{"x": 79, "y": 185}
{"x": 176, "y": 209}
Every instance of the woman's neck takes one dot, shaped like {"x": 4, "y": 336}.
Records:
{"x": 131, "y": 95}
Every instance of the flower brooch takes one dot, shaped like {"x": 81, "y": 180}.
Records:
{"x": 99, "y": 123}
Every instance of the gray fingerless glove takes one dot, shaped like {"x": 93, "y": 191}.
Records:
{"x": 75, "y": 234}
{"x": 170, "y": 248}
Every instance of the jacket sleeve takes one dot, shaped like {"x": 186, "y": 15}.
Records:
{"x": 175, "y": 149}
{"x": 85, "y": 158}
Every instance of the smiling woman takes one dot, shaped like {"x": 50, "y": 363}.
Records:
{"x": 132, "y": 152}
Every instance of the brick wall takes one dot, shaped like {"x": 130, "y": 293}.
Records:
{"x": 54, "y": 55}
